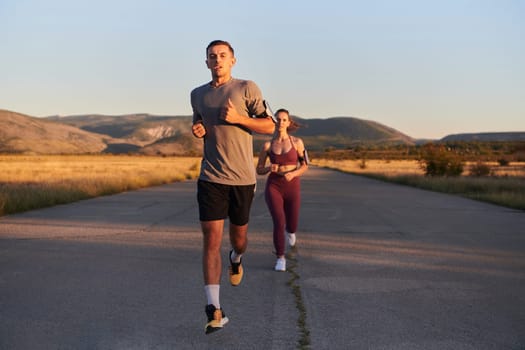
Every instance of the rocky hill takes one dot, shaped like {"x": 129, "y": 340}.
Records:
{"x": 486, "y": 137}
{"x": 169, "y": 135}
{"x": 144, "y": 133}
{"x": 140, "y": 128}
{"x": 21, "y": 133}
{"x": 344, "y": 132}
{"x": 144, "y": 129}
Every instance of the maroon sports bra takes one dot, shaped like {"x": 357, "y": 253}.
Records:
{"x": 289, "y": 158}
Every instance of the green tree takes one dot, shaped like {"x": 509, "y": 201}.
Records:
{"x": 438, "y": 160}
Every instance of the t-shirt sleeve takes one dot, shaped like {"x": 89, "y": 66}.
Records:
{"x": 255, "y": 100}
{"x": 193, "y": 101}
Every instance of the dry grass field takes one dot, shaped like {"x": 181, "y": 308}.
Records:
{"x": 411, "y": 167}
{"x": 372, "y": 166}
{"x": 29, "y": 182}
{"x": 505, "y": 185}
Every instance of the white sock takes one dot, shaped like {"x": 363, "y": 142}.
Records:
{"x": 212, "y": 294}
{"x": 236, "y": 258}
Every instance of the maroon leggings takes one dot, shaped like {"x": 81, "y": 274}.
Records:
{"x": 283, "y": 199}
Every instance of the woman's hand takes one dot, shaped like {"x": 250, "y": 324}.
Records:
{"x": 289, "y": 176}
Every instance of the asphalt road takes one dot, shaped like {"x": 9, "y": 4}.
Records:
{"x": 377, "y": 266}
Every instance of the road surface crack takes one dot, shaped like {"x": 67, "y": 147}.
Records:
{"x": 304, "y": 340}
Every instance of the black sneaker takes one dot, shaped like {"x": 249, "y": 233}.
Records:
{"x": 235, "y": 270}
{"x": 216, "y": 319}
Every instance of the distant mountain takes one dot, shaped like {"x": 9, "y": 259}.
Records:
{"x": 183, "y": 144}
{"x": 21, "y": 133}
{"x": 486, "y": 136}
{"x": 167, "y": 135}
{"x": 171, "y": 135}
{"x": 341, "y": 132}
{"x": 140, "y": 128}
{"x": 163, "y": 133}
{"x": 145, "y": 133}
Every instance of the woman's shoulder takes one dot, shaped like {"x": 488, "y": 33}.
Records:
{"x": 296, "y": 140}
{"x": 267, "y": 145}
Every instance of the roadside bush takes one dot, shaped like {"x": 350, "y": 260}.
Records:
{"x": 503, "y": 162}
{"x": 479, "y": 169}
{"x": 436, "y": 160}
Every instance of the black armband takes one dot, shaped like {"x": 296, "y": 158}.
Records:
{"x": 268, "y": 111}
{"x": 304, "y": 158}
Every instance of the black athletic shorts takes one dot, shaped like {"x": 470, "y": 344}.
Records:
{"x": 218, "y": 202}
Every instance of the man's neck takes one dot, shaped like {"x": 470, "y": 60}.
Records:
{"x": 218, "y": 81}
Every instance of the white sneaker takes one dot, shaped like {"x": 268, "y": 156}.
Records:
{"x": 280, "y": 265}
{"x": 290, "y": 237}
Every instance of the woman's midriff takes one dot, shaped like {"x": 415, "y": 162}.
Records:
{"x": 283, "y": 169}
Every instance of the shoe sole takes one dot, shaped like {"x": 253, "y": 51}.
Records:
{"x": 235, "y": 279}
{"x": 214, "y": 326}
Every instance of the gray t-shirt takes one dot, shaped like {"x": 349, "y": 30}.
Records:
{"x": 228, "y": 148}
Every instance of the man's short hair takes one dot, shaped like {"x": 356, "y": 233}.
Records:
{"x": 220, "y": 42}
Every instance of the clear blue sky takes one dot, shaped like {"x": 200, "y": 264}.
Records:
{"x": 425, "y": 68}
